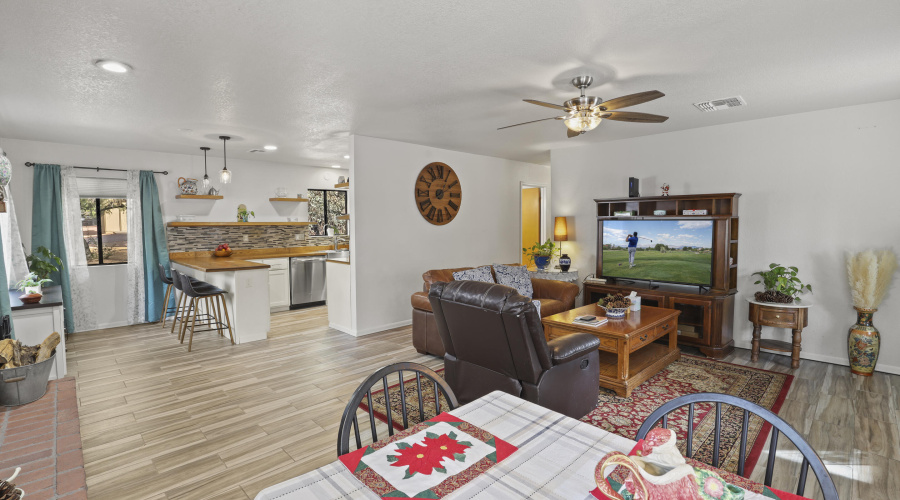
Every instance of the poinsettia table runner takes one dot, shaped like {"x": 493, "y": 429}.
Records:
{"x": 429, "y": 460}
{"x": 556, "y": 458}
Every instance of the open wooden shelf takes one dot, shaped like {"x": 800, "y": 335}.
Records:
{"x": 343, "y": 217}
{"x": 202, "y": 224}
{"x": 343, "y": 185}
{"x": 296, "y": 200}
{"x": 198, "y": 197}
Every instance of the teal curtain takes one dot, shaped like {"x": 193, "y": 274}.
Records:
{"x": 4, "y": 295}
{"x": 47, "y": 228}
{"x": 155, "y": 249}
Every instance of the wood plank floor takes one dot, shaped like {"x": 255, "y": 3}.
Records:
{"x": 226, "y": 421}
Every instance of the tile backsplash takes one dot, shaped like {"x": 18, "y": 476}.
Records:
{"x": 195, "y": 239}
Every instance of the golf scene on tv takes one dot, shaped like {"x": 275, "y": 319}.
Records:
{"x": 675, "y": 251}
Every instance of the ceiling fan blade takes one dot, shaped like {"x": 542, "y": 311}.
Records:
{"x": 533, "y": 121}
{"x": 571, "y": 133}
{"x": 630, "y": 116}
{"x": 630, "y": 100}
{"x": 546, "y": 104}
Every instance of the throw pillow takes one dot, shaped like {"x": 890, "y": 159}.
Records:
{"x": 482, "y": 273}
{"x": 516, "y": 277}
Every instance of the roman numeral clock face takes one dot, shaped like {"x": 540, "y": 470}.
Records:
{"x": 438, "y": 193}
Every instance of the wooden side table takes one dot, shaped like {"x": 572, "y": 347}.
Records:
{"x": 790, "y": 316}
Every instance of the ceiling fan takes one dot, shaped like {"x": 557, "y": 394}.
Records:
{"x": 586, "y": 112}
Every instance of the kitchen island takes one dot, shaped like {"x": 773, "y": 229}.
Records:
{"x": 246, "y": 282}
{"x": 247, "y": 287}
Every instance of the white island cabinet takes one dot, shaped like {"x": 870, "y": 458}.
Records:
{"x": 279, "y": 283}
{"x": 337, "y": 294}
{"x": 247, "y": 291}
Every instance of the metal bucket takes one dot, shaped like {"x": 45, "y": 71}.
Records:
{"x": 25, "y": 384}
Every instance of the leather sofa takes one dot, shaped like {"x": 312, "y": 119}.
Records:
{"x": 554, "y": 296}
{"x": 494, "y": 341}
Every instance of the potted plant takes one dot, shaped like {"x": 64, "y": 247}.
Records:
{"x": 781, "y": 284}
{"x": 42, "y": 263}
{"x": 541, "y": 253}
{"x": 243, "y": 214}
{"x": 32, "y": 284}
{"x": 869, "y": 274}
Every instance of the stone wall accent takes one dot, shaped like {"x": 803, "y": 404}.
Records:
{"x": 200, "y": 238}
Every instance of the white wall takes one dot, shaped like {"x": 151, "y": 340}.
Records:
{"x": 814, "y": 186}
{"x": 392, "y": 244}
{"x": 253, "y": 183}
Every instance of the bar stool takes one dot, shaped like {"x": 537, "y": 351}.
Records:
{"x": 181, "y": 303}
{"x": 167, "y": 281}
{"x": 204, "y": 292}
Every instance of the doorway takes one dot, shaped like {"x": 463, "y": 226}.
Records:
{"x": 533, "y": 203}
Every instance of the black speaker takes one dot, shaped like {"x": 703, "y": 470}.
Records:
{"x": 633, "y": 188}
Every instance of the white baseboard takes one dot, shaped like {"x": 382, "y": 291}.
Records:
{"x": 894, "y": 370}
{"x": 380, "y": 328}
{"x": 340, "y": 328}
{"x": 114, "y": 324}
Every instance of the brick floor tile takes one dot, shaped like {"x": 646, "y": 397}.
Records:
{"x": 46, "y": 494}
{"x": 68, "y": 428}
{"x": 70, "y": 481}
{"x": 69, "y": 460}
{"x": 22, "y": 460}
{"x": 26, "y": 446}
{"x": 68, "y": 443}
{"x": 47, "y": 481}
{"x": 77, "y": 495}
{"x": 9, "y": 440}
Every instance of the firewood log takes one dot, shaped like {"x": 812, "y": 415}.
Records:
{"x": 47, "y": 347}
{"x": 11, "y": 350}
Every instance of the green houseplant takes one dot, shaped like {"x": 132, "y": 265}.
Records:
{"x": 42, "y": 263}
{"x": 541, "y": 253}
{"x": 32, "y": 283}
{"x": 244, "y": 214}
{"x": 781, "y": 285}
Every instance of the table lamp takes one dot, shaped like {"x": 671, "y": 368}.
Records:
{"x": 561, "y": 233}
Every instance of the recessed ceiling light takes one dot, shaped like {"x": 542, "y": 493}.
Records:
{"x": 346, "y": 157}
{"x": 270, "y": 147}
{"x": 335, "y": 166}
{"x": 113, "y": 66}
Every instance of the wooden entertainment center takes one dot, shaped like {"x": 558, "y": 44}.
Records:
{"x": 707, "y": 313}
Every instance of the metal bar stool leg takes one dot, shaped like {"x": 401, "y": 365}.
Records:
{"x": 227, "y": 319}
{"x": 190, "y": 306}
{"x": 218, "y": 300}
{"x": 178, "y": 310}
{"x": 193, "y": 322}
{"x": 165, "y": 308}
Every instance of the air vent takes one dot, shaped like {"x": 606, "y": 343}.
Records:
{"x": 257, "y": 151}
{"x": 719, "y": 104}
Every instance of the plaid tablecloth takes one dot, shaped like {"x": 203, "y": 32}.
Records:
{"x": 556, "y": 458}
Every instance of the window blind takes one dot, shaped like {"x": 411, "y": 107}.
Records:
{"x": 100, "y": 187}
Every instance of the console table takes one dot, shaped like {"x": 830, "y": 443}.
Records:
{"x": 793, "y": 316}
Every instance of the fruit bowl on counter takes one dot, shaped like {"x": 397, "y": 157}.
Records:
{"x": 223, "y": 250}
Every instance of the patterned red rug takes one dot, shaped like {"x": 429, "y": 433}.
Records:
{"x": 689, "y": 375}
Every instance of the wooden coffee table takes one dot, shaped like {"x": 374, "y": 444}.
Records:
{"x": 628, "y": 354}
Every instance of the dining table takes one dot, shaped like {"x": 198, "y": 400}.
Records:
{"x": 556, "y": 458}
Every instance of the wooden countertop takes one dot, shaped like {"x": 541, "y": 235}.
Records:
{"x": 339, "y": 261}
{"x": 52, "y": 297}
{"x": 238, "y": 261}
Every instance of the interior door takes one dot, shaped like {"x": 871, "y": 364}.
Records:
{"x": 531, "y": 218}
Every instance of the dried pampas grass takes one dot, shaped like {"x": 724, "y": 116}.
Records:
{"x": 870, "y": 274}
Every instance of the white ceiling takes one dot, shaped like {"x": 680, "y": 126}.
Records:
{"x": 306, "y": 74}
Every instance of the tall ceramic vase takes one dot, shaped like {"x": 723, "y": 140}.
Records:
{"x": 863, "y": 343}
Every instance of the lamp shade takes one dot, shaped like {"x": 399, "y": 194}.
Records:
{"x": 560, "y": 230}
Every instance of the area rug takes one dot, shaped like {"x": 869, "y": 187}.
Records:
{"x": 624, "y": 416}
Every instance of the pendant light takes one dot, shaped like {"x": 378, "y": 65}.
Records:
{"x": 205, "y": 175}
{"x": 224, "y": 174}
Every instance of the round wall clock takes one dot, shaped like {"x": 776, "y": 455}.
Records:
{"x": 438, "y": 193}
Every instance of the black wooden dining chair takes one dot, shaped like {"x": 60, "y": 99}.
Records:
{"x": 779, "y": 426}
{"x": 364, "y": 391}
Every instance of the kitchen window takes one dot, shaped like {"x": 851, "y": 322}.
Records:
{"x": 325, "y": 205}
{"x": 104, "y": 227}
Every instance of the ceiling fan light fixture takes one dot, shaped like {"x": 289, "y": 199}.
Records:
{"x": 582, "y": 121}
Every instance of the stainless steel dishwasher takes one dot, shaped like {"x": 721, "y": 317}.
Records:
{"x": 307, "y": 282}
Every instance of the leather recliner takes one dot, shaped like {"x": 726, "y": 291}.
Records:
{"x": 554, "y": 296}
{"x": 494, "y": 341}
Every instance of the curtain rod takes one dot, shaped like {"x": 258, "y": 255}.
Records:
{"x": 164, "y": 172}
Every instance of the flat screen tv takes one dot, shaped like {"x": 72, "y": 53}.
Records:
{"x": 672, "y": 250}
